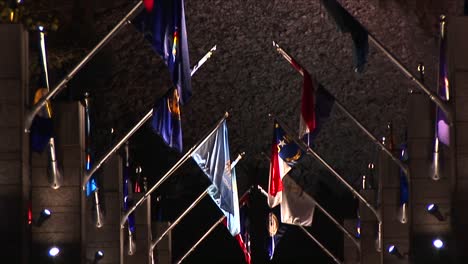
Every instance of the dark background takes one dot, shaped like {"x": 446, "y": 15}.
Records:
{"x": 249, "y": 79}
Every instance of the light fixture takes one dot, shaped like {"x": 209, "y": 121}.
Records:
{"x": 393, "y": 250}
{"x": 433, "y": 209}
{"x": 54, "y": 251}
{"x": 438, "y": 243}
{"x": 98, "y": 256}
{"x": 43, "y": 216}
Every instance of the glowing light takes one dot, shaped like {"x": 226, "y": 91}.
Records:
{"x": 46, "y": 212}
{"x": 41, "y": 28}
{"x": 430, "y": 207}
{"x": 391, "y": 248}
{"x": 54, "y": 251}
{"x": 438, "y": 244}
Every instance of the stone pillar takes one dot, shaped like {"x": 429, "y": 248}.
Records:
{"x": 14, "y": 149}
{"x": 63, "y": 228}
{"x": 458, "y": 76}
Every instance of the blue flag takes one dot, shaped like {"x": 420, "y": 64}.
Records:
{"x": 166, "y": 120}
{"x": 324, "y": 102}
{"x": 404, "y": 193}
{"x": 276, "y": 230}
{"x": 128, "y": 197}
{"x": 347, "y": 23}
{"x": 213, "y": 157}
{"x": 163, "y": 24}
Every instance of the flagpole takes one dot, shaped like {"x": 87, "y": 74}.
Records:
{"x": 35, "y": 108}
{"x": 338, "y": 176}
{"x": 320, "y": 245}
{"x": 169, "y": 173}
{"x": 220, "y": 220}
{"x": 403, "y": 166}
{"x": 329, "y": 216}
{"x": 211, "y": 228}
{"x": 145, "y": 118}
{"x": 443, "y": 105}
{"x": 200, "y": 197}
{"x": 176, "y": 222}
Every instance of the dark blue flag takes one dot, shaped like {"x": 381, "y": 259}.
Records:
{"x": 276, "y": 230}
{"x": 347, "y": 23}
{"x": 163, "y": 24}
{"x": 213, "y": 157}
{"x": 324, "y": 102}
{"x": 166, "y": 120}
{"x": 404, "y": 194}
{"x": 128, "y": 197}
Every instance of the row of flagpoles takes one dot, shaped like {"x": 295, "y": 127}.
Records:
{"x": 163, "y": 24}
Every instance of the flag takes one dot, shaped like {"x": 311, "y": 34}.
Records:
{"x": 213, "y": 157}
{"x": 163, "y": 24}
{"x": 404, "y": 192}
{"x": 166, "y": 120}
{"x": 243, "y": 238}
{"x": 442, "y": 127}
{"x": 42, "y": 126}
{"x": 276, "y": 230}
{"x": 347, "y": 23}
{"x": 284, "y": 153}
{"x": 297, "y": 207}
{"x": 128, "y": 197}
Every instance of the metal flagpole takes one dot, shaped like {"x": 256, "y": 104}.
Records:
{"x": 176, "y": 222}
{"x": 342, "y": 228}
{"x": 211, "y": 228}
{"x": 200, "y": 197}
{"x": 320, "y": 245}
{"x": 403, "y": 166}
{"x": 220, "y": 220}
{"x": 338, "y": 176}
{"x": 145, "y": 118}
{"x": 35, "y": 108}
{"x": 169, "y": 173}
{"x": 443, "y": 105}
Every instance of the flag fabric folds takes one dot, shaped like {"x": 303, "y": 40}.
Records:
{"x": 297, "y": 207}
{"x": 284, "y": 153}
{"x": 166, "y": 120}
{"x": 243, "y": 238}
{"x": 347, "y": 23}
{"x": 442, "y": 127}
{"x": 213, "y": 157}
{"x": 276, "y": 230}
{"x": 163, "y": 24}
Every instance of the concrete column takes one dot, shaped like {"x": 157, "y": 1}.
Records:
{"x": 458, "y": 76}
{"x": 14, "y": 149}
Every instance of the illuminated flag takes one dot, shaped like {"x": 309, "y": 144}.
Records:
{"x": 276, "y": 230}
{"x": 297, "y": 207}
{"x": 442, "y": 127}
{"x": 213, "y": 157}
{"x": 284, "y": 152}
{"x": 347, "y": 23}
{"x": 42, "y": 126}
{"x": 166, "y": 120}
{"x": 163, "y": 24}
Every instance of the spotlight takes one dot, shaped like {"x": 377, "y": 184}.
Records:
{"x": 433, "y": 209}
{"x": 98, "y": 256}
{"x": 45, "y": 214}
{"x": 438, "y": 243}
{"x": 54, "y": 251}
{"x": 393, "y": 250}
